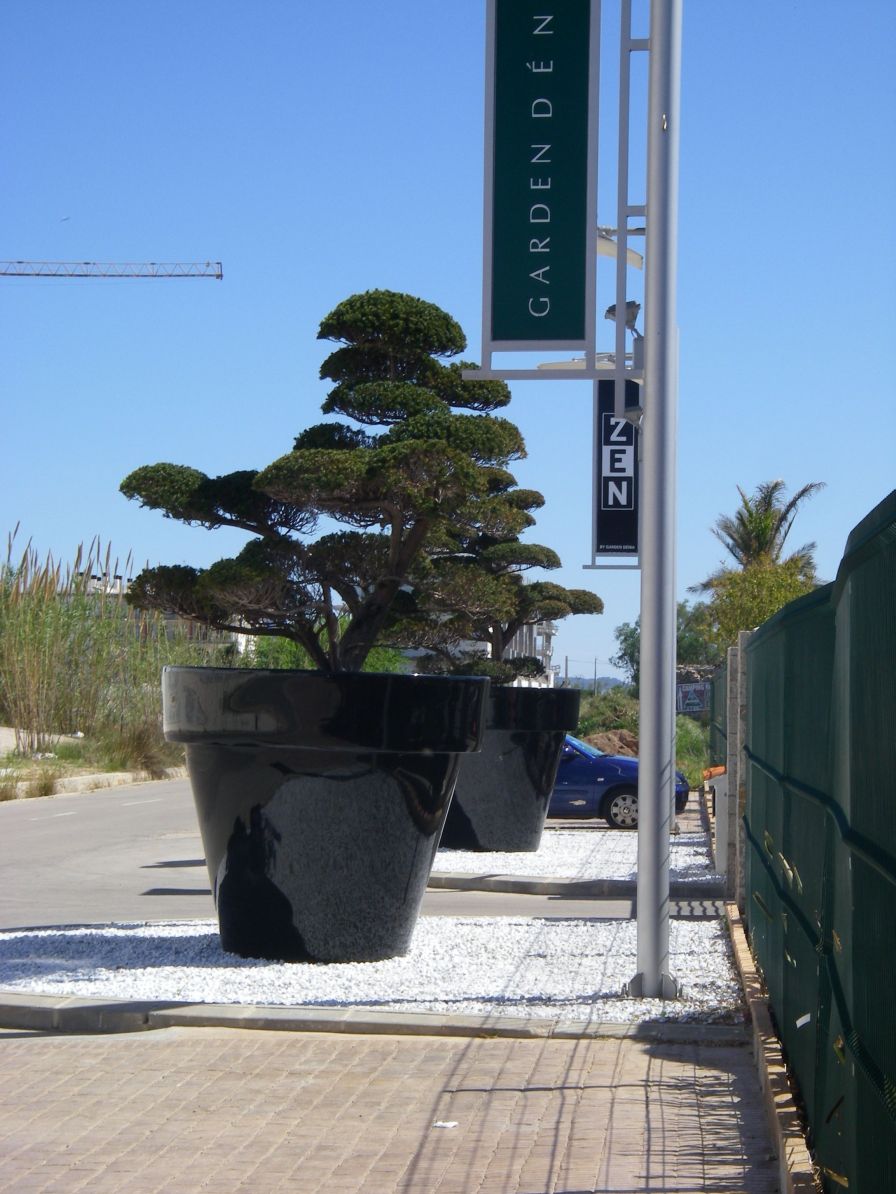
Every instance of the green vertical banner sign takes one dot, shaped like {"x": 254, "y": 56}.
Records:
{"x": 538, "y": 208}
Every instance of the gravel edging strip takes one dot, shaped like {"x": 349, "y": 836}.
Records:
{"x": 797, "y": 1174}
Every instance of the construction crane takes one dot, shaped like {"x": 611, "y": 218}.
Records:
{"x": 111, "y": 269}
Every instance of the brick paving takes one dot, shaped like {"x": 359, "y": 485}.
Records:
{"x": 180, "y": 1110}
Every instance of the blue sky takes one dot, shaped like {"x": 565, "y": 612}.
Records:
{"x": 322, "y": 149}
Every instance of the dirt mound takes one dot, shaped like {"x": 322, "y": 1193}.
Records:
{"x": 615, "y": 742}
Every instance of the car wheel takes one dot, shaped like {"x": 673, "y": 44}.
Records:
{"x": 621, "y": 809}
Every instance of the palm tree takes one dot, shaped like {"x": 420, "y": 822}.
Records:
{"x": 758, "y": 530}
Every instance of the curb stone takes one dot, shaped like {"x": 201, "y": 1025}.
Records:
{"x": 48, "y": 1013}
{"x": 574, "y": 888}
{"x": 104, "y": 779}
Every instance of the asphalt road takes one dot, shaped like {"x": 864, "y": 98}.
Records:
{"x": 134, "y": 853}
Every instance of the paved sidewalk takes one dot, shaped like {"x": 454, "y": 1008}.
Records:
{"x": 369, "y": 1107}
{"x": 182, "y": 1110}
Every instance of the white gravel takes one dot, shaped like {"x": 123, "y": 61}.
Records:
{"x": 567, "y": 969}
{"x": 583, "y": 854}
{"x": 500, "y": 966}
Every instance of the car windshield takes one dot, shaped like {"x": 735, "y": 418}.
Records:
{"x": 584, "y": 747}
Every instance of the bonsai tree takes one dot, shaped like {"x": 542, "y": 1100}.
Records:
{"x": 474, "y": 591}
{"x": 472, "y": 596}
{"x": 431, "y": 473}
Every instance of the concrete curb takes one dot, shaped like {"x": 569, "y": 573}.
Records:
{"x": 573, "y": 888}
{"x": 104, "y": 779}
{"x": 46, "y": 1013}
{"x": 797, "y": 1174}
{"x": 115, "y": 779}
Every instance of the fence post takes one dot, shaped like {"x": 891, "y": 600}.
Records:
{"x": 727, "y": 833}
{"x": 736, "y": 765}
{"x": 739, "y": 800}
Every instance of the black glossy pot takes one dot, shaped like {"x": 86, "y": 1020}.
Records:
{"x": 320, "y": 800}
{"x": 502, "y": 794}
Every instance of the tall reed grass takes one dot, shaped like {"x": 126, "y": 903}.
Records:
{"x": 75, "y": 657}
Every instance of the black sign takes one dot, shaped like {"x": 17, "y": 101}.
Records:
{"x": 616, "y": 521}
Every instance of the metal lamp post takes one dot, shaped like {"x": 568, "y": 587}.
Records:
{"x": 539, "y": 294}
{"x": 658, "y": 488}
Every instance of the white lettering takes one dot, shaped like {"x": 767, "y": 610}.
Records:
{"x": 618, "y": 461}
{"x": 543, "y": 216}
{"x": 540, "y": 68}
{"x": 539, "y": 184}
{"x": 618, "y": 431}
{"x": 539, "y": 275}
{"x": 542, "y": 149}
{"x": 542, "y": 108}
{"x": 542, "y": 28}
{"x": 545, "y": 307}
{"x": 616, "y": 493}
{"x": 540, "y": 246}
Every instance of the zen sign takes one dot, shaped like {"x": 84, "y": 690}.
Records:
{"x": 616, "y": 489}
{"x": 537, "y": 175}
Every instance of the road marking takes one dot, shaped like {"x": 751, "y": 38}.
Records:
{"x": 131, "y": 803}
{"x": 49, "y": 815}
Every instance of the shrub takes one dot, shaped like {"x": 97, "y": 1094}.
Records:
{"x": 692, "y": 749}
{"x": 136, "y": 746}
{"x": 43, "y": 784}
{"x": 615, "y": 709}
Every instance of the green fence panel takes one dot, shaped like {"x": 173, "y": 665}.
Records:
{"x": 820, "y": 829}
{"x": 765, "y": 810}
{"x": 864, "y": 789}
{"x": 789, "y": 677}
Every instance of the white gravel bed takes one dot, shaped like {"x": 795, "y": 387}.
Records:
{"x": 583, "y": 854}
{"x": 502, "y": 966}
{"x": 569, "y": 969}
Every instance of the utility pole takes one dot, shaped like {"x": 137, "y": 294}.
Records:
{"x": 656, "y": 766}
{"x": 514, "y": 322}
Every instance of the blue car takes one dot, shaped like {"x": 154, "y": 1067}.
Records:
{"x": 593, "y": 784}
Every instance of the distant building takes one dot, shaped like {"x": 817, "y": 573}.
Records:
{"x": 536, "y": 640}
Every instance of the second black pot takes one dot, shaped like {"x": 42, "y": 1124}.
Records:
{"x": 502, "y": 794}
